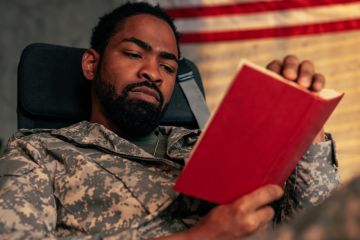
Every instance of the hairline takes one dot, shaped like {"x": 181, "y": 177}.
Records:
{"x": 119, "y": 26}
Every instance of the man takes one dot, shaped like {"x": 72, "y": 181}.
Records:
{"x": 113, "y": 176}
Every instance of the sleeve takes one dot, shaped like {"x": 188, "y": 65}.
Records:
{"x": 311, "y": 182}
{"x": 27, "y": 205}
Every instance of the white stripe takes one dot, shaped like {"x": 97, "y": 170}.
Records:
{"x": 194, "y": 3}
{"x": 270, "y": 19}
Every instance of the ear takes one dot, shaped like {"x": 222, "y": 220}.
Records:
{"x": 90, "y": 60}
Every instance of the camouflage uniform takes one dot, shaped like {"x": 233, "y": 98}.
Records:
{"x": 85, "y": 181}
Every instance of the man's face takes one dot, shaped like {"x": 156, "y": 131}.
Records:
{"x": 136, "y": 75}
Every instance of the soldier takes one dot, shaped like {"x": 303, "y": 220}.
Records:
{"x": 112, "y": 176}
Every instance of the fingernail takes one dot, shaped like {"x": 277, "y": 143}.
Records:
{"x": 317, "y": 87}
{"x": 290, "y": 74}
{"x": 304, "y": 81}
{"x": 278, "y": 191}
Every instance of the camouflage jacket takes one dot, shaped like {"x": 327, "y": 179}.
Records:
{"x": 84, "y": 181}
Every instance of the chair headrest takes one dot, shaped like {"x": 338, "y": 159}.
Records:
{"x": 53, "y": 93}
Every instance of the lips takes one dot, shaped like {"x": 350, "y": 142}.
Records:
{"x": 148, "y": 91}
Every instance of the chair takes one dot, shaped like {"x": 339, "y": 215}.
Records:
{"x": 52, "y": 92}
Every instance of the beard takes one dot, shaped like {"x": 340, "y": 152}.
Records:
{"x": 131, "y": 117}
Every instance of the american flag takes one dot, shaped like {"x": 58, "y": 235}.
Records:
{"x": 218, "y": 33}
{"x": 226, "y": 20}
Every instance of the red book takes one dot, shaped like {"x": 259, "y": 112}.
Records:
{"x": 256, "y": 136}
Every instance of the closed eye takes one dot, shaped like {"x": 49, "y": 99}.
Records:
{"x": 168, "y": 69}
{"x": 133, "y": 55}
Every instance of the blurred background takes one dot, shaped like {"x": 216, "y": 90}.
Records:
{"x": 216, "y": 35}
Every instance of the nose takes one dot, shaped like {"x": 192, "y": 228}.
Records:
{"x": 150, "y": 71}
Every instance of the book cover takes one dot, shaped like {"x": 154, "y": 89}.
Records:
{"x": 256, "y": 136}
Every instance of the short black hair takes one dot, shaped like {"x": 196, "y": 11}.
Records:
{"x": 112, "y": 22}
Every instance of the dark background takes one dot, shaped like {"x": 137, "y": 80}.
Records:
{"x": 63, "y": 22}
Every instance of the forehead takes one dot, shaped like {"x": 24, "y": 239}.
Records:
{"x": 154, "y": 31}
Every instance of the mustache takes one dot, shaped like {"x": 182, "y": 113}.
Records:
{"x": 148, "y": 84}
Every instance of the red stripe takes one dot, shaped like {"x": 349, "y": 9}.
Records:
{"x": 247, "y": 8}
{"x": 272, "y": 32}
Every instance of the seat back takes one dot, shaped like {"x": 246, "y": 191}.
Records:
{"x": 53, "y": 93}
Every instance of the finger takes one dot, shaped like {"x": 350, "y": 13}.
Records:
{"x": 265, "y": 215}
{"x": 306, "y": 72}
{"x": 258, "y": 198}
{"x": 256, "y": 220}
{"x": 275, "y": 66}
{"x": 318, "y": 82}
{"x": 291, "y": 65}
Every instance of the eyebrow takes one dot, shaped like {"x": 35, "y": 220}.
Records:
{"x": 147, "y": 47}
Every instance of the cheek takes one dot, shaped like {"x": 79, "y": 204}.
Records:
{"x": 118, "y": 77}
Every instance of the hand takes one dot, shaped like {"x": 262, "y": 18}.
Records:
{"x": 303, "y": 74}
{"x": 242, "y": 217}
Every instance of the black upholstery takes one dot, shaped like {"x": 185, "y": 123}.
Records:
{"x": 53, "y": 93}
